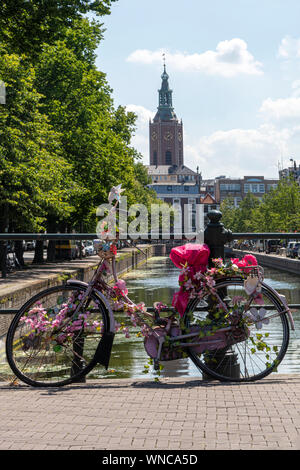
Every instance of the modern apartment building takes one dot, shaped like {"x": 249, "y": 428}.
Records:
{"x": 238, "y": 188}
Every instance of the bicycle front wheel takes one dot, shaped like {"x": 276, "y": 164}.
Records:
{"x": 48, "y": 344}
{"x": 255, "y": 348}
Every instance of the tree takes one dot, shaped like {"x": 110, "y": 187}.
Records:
{"x": 34, "y": 176}
{"x": 240, "y": 219}
{"x": 229, "y": 213}
{"x": 95, "y": 136}
{"x": 25, "y": 25}
{"x": 64, "y": 141}
{"x": 278, "y": 211}
{"x": 280, "y": 208}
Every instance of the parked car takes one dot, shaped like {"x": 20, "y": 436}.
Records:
{"x": 89, "y": 248}
{"x": 259, "y": 245}
{"x": 299, "y": 253}
{"x": 289, "y": 248}
{"x": 272, "y": 246}
{"x": 295, "y": 250}
{"x": 29, "y": 245}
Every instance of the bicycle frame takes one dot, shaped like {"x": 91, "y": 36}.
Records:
{"x": 103, "y": 291}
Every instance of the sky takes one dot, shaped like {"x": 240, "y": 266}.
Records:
{"x": 233, "y": 66}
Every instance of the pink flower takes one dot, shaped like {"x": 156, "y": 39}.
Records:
{"x": 218, "y": 262}
{"x": 180, "y": 301}
{"x": 259, "y": 299}
{"x": 121, "y": 287}
{"x": 248, "y": 260}
{"x": 159, "y": 306}
{"x": 191, "y": 254}
{"x": 141, "y": 307}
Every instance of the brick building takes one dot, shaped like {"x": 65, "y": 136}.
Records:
{"x": 173, "y": 182}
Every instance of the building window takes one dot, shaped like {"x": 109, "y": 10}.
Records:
{"x": 254, "y": 188}
{"x": 230, "y": 187}
{"x": 155, "y": 157}
{"x": 192, "y": 204}
{"x": 261, "y": 188}
{"x": 186, "y": 188}
{"x": 168, "y": 157}
{"x": 169, "y": 188}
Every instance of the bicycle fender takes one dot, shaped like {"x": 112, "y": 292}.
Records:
{"x": 103, "y": 351}
{"x": 104, "y": 300}
{"x": 288, "y": 311}
{"x": 285, "y": 304}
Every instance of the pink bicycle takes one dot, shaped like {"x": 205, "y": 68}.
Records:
{"x": 231, "y": 324}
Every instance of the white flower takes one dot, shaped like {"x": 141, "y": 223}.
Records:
{"x": 257, "y": 316}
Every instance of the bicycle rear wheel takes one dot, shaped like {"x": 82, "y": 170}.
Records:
{"x": 47, "y": 345}
{"x": 261, "y": 345}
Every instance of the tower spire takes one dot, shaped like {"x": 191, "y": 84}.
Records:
{"x": 165, "y": 110}
{"x": 164, "y": 62}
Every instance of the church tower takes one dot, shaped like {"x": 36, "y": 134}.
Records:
{"x": 166, "y": 136}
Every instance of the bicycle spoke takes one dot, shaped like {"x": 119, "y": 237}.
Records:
{"x": 48, "y": 344}
{"x": 261, "y": 341}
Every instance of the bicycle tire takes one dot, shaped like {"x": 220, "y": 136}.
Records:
{"x": 251, "y": 359}
{"x": 45, "y": 358}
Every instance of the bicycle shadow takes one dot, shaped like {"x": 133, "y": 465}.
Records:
{"x": 150, "y": 384}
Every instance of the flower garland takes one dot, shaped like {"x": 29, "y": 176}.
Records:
{"x": 199, "y": 284}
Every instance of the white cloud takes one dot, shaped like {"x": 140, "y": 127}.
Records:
{"x": 238, "y": 152}
{"x": 140, "y": 140}
{"x": 230, "y": 58}
{"x": 289, "y": 48}
{"x": 234, "y": 153}
{"x": 282, "y": 109}
{"x": 143, "y": 114}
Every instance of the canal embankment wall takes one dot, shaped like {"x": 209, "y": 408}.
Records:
{"x": 270, "y": 260}
{"x": 18, "y": 287}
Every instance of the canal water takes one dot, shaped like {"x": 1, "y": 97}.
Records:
{"x": 157, "y": 280}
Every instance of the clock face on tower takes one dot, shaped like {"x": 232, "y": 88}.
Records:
{"x": 168, "y": 136}
{"x": 154, "y": 135}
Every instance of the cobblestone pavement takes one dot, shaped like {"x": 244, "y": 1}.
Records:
{"x": 176, "y": 414}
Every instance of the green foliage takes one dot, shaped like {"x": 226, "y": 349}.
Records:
{"x": 63, "y": 143}
{"x": 33, "y": 174}
{"x": 278, "y": 211}
{"x": 25, "y": 25}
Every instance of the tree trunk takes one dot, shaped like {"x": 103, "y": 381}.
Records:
{"x": 38, "y": 252}
{"x": 19, "y": 252}
{"x": 51, "y": 251}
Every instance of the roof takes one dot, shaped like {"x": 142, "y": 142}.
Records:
{"x": 169, "y": 169}
{"x": 208, "y": 199}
